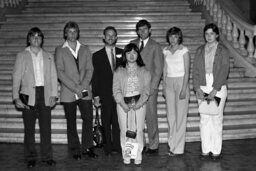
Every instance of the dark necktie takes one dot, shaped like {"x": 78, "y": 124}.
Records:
{"x": 141, "y": 46}
{"x": 113, "y": 59}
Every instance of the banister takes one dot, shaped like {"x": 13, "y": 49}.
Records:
{"x": 237, "y": 33}
{"x": 10, "y": 3}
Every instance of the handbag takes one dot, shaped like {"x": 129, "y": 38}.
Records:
{"x": 208, "y": 107}
{"x": 129, "y": 133}
{"x": 98, "y": 132}
{"x": 132, "y": 99}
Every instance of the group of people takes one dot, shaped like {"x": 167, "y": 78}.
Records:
{"x": 124, "y": 83}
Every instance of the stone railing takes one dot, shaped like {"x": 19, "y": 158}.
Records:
{"x": 239, "y": 34}
{"x": 9, "y": 3}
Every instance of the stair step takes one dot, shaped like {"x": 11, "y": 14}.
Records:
{"x": 75, "y": 15}
{"x": 60, "y": 136}
{"x": 106, "y": 3}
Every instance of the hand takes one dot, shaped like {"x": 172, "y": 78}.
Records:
{"x": 137, "y": 106}
{"x": 200, "y": 94}
{"x": 78, "y": 91}
{"x": 182, "y": 94}
{"x": 125, "y": 107}
{"x": 18, "y": 103}
{"x": 96, "y": 101}
{"x": 212, "y": 94}
{"x": 52, "y": 101}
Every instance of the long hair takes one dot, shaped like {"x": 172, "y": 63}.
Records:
{"x": 129, "y": 48}
{"x": 214, "y": 28}
{"x": 174, "y": 31}
{"x": 69, "y": 25}
{"x": 32, "y": 32}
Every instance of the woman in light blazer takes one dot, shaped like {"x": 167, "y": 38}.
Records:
{"x": 131, "y": 81}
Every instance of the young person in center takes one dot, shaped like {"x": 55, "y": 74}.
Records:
{"x": 131, "y": 81}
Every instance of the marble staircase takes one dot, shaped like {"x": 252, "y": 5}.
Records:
{"x": 93, "y": 16}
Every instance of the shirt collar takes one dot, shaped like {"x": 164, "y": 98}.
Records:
{"x": 29, "y": 49}
{"x": 144, "y": 41}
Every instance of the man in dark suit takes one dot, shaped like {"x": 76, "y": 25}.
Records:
{"x": 151, "y": 54}
{"x": 74, "y": 69}
{"x": 104, "y": 62}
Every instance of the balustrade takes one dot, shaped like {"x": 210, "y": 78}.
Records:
{"x": 9, "y": 3}
{"x": 240, "y": 33}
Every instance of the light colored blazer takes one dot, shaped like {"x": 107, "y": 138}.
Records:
{"x": 120, "y": 84}
{"x": 152, "y": 56}
{"x": 24, "y": 78}
{"x": 69, "y": 75}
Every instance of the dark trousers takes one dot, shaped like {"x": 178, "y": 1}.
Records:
{"x": 110, "y": 124}
{"x": 85, "y": 107}
{"x": 29, "y": 119}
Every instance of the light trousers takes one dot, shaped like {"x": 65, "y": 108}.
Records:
{"x": 132, "y": 125}
{"x": 177, "y": 110}
{"x": 211, "y": 125}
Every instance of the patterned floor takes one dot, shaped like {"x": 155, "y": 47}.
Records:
{"x": 238, "y": 155}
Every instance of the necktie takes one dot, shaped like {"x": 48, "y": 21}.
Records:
{"x": 141, "y": 46}
{"x": 113, "y": 61}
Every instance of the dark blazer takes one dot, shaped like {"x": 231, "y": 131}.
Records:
{"x": 68, "y": 73}
{"x": 102, "y": 80}
{"x": 220, "y": 67}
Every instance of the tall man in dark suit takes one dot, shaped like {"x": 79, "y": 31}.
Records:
{"x": 74, "y": 69}
{"x": 151, "y": 54}
{"x": 104, "y": 62}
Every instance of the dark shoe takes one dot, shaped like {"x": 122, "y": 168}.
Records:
{"x": 144, "y": 150}
{"x": 204, "y": 156}
{"x": 50, "y": 162}
{"x": 108, "y": 154}
{"x": 216, "y": 157}
{"x": 77, "y": 157}
{"x": 31, "y": 163}
{"x": 90, "y": 153}
{"x": 115, "y": 152}
{"x": 152, "y": 151}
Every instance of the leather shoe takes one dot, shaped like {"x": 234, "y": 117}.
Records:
{"x": 31, "y": 163}
{"x": 50, "y": 162}
{"x": 144, "y": 150}
{"x": 108, "y": 154}
{"x": 77, "y": 157}
{"x": 90, "y": 153}
{"x": 152, "y": 151}
{"x": 216, "y": 157}
{"x": 204, "y": 156}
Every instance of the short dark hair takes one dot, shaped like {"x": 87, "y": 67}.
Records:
{"x": 32, "y": 32}
{"x": 69, "y": 25}
{"x": 142, "y": 23}
{"x": 174, "y": 31}
{"x": 128, "y": 48}
{"x": 109, "y": 28}
{"x": 214, "y": 28}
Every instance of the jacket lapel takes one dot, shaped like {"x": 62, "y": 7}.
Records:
{"x": 30, "y": 65}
